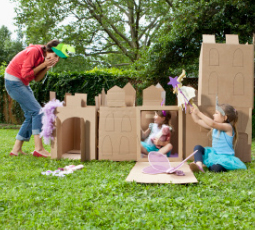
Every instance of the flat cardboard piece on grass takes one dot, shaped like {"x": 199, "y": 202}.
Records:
{"x": 226, "y": 70}
{"x": 76, "y": 129}
{"x": 138, "y": 176}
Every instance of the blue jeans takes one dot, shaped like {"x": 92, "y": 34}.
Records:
{"x": 24, "y": 96}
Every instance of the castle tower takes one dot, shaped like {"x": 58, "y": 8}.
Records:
{"x": 76, "y": 128}
{"x": 226, "y": 70}
{"x": 117, "y": 125}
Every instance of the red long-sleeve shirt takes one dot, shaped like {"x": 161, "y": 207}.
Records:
{"x": 22, "y": 65}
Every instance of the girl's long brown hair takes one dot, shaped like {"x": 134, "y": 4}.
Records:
{"x": 232, "y": 118}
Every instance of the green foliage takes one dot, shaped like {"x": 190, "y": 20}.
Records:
{"x": 179, "y": 46}
{"x": 120, "y": 29}
{"x": 90, "y": 82}
{"x": 2, "y": 69}
{"x": 9, "y": 48}
{"x": 98, "y": 197}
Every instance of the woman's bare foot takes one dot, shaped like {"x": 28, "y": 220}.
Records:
{"x": 21, "y": 152}
{"x": 43, "y": 152}
{"x": 18, "y": 151}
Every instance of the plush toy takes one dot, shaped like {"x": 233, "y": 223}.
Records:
{"x": 163, "y": 135}
{"x": 48, "y": 120}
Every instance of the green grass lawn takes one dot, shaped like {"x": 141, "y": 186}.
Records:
{"x": 98, "y": 197}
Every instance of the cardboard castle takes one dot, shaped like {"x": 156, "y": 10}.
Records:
{"x": 227, "y": 71}
{"x": 111, "y": 129}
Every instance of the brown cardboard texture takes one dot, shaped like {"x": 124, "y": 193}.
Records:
{"x": 130, "y": 95}
{"x": 226, "y": 70}
{"x": 117, "y": 125}
{"x": 137, "y": 175}
{"x": 243, "y": 150}
{"x": 152, "y": 99}
{"x": 117, "y": 134}
{"x": 195, "y": 134}
{"x": 115, "y": 97}
{"x": 152, "y": 96}
{"x": 75, "y": 134}
{"x": 147, "y": 117}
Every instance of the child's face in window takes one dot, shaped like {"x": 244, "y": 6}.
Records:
{"x": 158, "y": 119}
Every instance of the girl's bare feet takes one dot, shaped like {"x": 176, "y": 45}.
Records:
{"x": 195, "y": 167}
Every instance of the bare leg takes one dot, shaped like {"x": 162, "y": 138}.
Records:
{"x": 17, "y": 148}
{"x": 200, "y": 164}
{"x": 165, "y": 149}
{"x": 143, "y": 150}
{"x": 39, "y": 146}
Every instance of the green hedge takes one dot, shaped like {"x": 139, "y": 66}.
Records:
{"x": 89, "y": 82}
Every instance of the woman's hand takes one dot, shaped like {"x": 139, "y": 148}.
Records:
{"x": 50, "y": 62}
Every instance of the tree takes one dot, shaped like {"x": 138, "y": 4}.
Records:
{"x": 9, "y": 48}
{"x": 179, "y": 46}
{"x": 123, "y": 28}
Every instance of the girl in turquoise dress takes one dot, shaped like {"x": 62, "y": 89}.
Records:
{"x": 221, "y": 156}
{"x": 150, "y": 143}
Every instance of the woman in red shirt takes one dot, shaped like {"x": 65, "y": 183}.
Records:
{"x": 30, "y": 64}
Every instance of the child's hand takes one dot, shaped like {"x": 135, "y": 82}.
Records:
{"x": 156, "y": 141}
{"x": 194, "y": 110}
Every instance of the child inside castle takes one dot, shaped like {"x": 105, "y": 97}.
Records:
{"x": 157, "y": 136}
{"x": 221, "y": 156}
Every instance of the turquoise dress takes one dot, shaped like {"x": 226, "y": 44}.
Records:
{"x": 148, "y": 144}
{"x": 222, "y": 152}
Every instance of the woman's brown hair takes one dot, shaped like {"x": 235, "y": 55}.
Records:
{"x": 50, "y": 44}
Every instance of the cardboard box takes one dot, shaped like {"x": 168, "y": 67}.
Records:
{"x": 226, "y": 70}
{"x": 195, "y": 134}
{"x": 117, "y": 134}
{"x": 76, "y": 130}
{"x": 117, "y": 125}
{"x": 177, "y": 122}
{"x": 120, "y": 123}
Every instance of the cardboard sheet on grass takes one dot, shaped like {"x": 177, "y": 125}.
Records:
{"x": 138, "y": 176}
